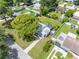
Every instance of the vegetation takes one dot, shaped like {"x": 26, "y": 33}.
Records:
{"x": 65, "y": 29}
{"x": 54, "y": 15}
{"x": 25, "y": 25}
{"x": 46, "y": 20}
{"x": 66, "y": 19}
{"x": 77, "y": 31}
{"x": 47, "y": 46}
{"x": 37, "y": 52}
{"x": 69, "y": 56}
{"x": 59, "y": 55}
{"x": 69, "y": 4}
{"x": 48, "y": 5}
{"x": 3, "y": 47}
{"x": 69, "y": 13}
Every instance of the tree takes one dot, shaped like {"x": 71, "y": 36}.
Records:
{"x": 3, "y": 9}
{"x": 44, "y": 10}
{"x": 66, "y": 19}
{"x": 25, "y": 25}
{"x": 50, "y": 4}
{"x": 77, "y": 31}
{"x": 3, "y": 48}
{"x": 9, "y": 2}
{"x": 69, "y": 13}
{"x": 54, "y": 15}
{"x": 10, "y": 12}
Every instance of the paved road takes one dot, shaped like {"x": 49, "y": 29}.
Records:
{"x": 21, "y": 54}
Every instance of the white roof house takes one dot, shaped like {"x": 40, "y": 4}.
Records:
{"x": 37, "y": 6}
{"x": 43, "y": 30}
{"x": 76, "y": 15}
{"x": 70, "y": 0}
{"x": 70, "y": 7}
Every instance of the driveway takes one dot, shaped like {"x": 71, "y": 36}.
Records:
{"x": 20, "y": 53}
{"x": 31, "y": 46}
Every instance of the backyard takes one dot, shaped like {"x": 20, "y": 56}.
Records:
{"x": 46, "y": 20}
{"x": 65, "y": 29}
{"x": 37, "y": 52}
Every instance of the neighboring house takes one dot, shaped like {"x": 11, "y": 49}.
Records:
{"x": 70, "y": 1}
{"x": 76, "y": 15}
{"x": 68, "y": 43}
{"x": 43, "y": 30}
{"x": 37, "y": 6}
{"x": 73, "y": 7}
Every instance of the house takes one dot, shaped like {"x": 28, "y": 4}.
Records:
{"x": 72, "y": 1}
{"x": 68, "y": 43}
{"x": 72, "y": 45}
{"x": 43, "y": 30}
{"x": 76, "y": 15}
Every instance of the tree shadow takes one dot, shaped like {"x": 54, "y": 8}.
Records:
{"x": 13, "y": 54}
{"x": 10, "y": 40}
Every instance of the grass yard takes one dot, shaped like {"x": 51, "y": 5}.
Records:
{"x": 69, "y": 56}
{"x": 22, "y": 43}
{"x": 73, "y": 22}
{"x": 46, "y": 20}
{"x": 37, "y": 52}
{"x": 66, "y": 28}
{"x": 58, "y": 54}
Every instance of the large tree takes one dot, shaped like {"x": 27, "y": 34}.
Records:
{"x": 50, "y": 4}
{"x": 3, "y": 48}
{"x": 25, "y": 25}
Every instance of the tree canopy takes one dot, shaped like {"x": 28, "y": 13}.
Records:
{"x": 69, "y": 13}
{"x": 50, "y": 4}
{"x": 25, "y": 25}
{"x": 3, "y": 47}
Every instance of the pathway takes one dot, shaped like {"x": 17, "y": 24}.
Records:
{"x": 31, "y": 46}
{"x": 21, "y": 54}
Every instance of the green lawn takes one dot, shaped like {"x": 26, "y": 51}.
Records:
{"x": 69, "y": 56}
{"x": 58, "y": 54}
{"x": 37, "y": 52}
{"x": 18, "y": 40}
{"x": 65, "y": 29}
{"x": 46, "y": 20}
{"x": 73, "y": 22}
{"x": 22, "y": 43}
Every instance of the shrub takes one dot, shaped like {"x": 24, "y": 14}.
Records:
{"x": 54, "y": 15}
{"x": 66, "y": 19}
{"x": 7, "y": 24}
{"x": 77, "y": 31}
{"x": 47, "y": 46}
{"x": 69, "y": 13}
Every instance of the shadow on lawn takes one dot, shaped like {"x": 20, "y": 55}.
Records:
{"x": 12, "y": 54}
{"x": 10, "y": 40}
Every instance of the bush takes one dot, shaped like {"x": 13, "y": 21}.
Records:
{"x": 7, "y": 24}
{"x": 47, "y": 46}
{"x": 66, "y": 19}
{"x": 77, "y": 31}
{"x": 54, "y": 15}
{"x": 69, "y": 13}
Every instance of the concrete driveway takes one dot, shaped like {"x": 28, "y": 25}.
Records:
{"x": 20, "y": 53}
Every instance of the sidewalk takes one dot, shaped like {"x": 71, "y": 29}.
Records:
{"x": 31, "y": 46}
